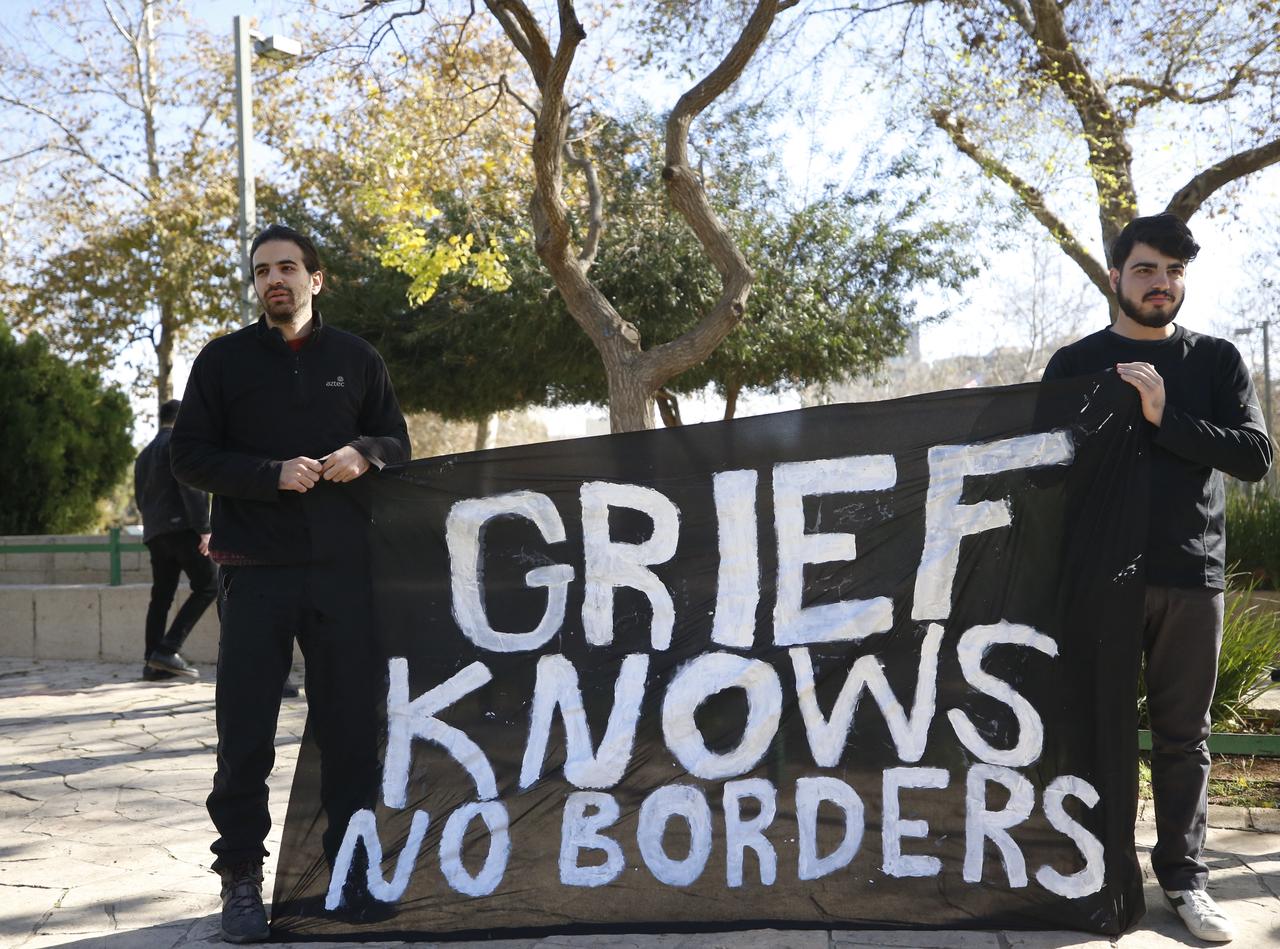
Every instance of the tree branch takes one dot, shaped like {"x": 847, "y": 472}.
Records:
{"x": 1032, "y": 199}
{"x": 595, "y": 201}
{"x": 551, "y": 220}
{"x": 1110, "y": 158}
{"x": 75, "y": 146}
{"x": 1167, "y": 91}
{"x": 525, "y": 34}
{"x": 1188, "y": 199}
{"x": 115, "y": 21}
{"x": 386, "y": 27}
{"x": 506, "y": 87}
{"x": 690, "y": 199}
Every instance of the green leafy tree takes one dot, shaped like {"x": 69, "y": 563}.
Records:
{"x": 835, "y": 279}
{"x": 467, "y": 351}
{"x": 633, "y": 372}
{"x": 834, "y": 294}
{"x": 65, "y": 439}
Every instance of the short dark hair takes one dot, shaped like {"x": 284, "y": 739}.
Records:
{"x": 169, "y": 411}
{"x": 282, "y": 232}
{"x": 1166, "y": 232}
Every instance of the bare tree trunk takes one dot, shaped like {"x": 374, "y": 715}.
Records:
{"x": 668, "y": 408}
{"x": 634, "y": 375}
{"x": 164, "y": 354}
{"x": 731, "y": 400}
{"x": 630, "y": 401}
{"x": 486, "y": 432}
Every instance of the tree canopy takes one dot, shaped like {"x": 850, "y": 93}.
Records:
{"x": 1085, "y": 113}
{"x": 550, "y": 51}
{"x": 835, "y": 288}
{"x": 122, "y": 192}
{"x": 65, "y": 439}
{"x": 1111, "y": 109}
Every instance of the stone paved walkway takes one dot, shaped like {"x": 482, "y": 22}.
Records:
{"x": 104, "y": 837}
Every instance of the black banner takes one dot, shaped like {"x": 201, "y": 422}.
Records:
{"x": 857, "y": 665}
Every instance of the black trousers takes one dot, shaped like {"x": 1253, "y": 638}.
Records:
{"x": 329, "y": 611}
{"x": 173, "y": 554}
{"x": 1181, "y": 641}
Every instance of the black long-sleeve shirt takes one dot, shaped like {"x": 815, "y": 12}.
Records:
{"x": 251, "y": 403}
{"x": 1211, "y": 424}
{"x": 165, "y": 505}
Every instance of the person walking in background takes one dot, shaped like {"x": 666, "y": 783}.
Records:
{"x": 1203, "y": 418}
{"x": 175, "y": 528}
{"x": 281, "y": 421}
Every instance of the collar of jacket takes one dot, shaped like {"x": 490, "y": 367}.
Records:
{"x": 271, "y": 337}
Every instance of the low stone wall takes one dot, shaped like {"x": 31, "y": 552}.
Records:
{"x": 90, "y": 621}
{"x": 83, "y": 567}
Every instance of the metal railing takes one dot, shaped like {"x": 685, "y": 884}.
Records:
{"x": 114, "y": 547}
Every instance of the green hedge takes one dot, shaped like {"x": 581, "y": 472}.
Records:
{"x": 1253, "y": 536}
{"x": 64, "y": 439}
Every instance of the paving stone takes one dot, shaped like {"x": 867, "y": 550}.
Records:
{"x": 1235, "y": 841}
{"x": 22, "y": 907}
{"x": 1053, "y": 940}
{"x": 79, "y": 916}
{"x": 916, "y": 939}
{"x": 52, "y": 864}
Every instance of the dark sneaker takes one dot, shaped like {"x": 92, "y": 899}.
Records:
{"x": 174, "y": 664}
{"x": 243, "y": 917}
{"x": 155, "y": 675}
{"x": 290, "y": 689}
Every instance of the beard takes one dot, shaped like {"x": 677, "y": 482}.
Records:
{"x": 282, "y": 311}
{"x": 1156, "y": 319}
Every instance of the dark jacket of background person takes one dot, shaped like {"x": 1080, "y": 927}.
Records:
{"x": 165, "y": 505}
{"x": 252, "y": 402}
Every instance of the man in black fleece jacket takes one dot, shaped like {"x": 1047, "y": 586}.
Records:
{"x": 280, "y": 421}
{"x": 1204, "y": 420}
{"x": 175, "y": 528}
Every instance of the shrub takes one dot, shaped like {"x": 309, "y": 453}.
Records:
{"x": 64, "y": 439}
{"x": 1253, "y": 536}
{"x": 1250, "y": 647}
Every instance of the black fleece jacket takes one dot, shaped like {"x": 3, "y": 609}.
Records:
{"x": 252, "y": 403}
{"x": 165, "y": 505}
{"x": 1211, "y": 424}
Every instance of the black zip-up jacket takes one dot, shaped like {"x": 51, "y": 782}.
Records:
{"x": 1211, "y": 424}
{"x": 252, "y": 403}
{"x": 165, "y": 505}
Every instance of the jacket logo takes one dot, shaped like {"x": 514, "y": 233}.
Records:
{"x": 336, "y": 383}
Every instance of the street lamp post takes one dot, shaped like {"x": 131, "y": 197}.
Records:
{"x": 274, "y": 47}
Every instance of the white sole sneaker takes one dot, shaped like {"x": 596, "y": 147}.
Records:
{"x": 1202, "y": 916}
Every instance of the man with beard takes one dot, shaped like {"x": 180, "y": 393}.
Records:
{"x": 280, "y": 421}
{"x": 1203, "y": 418}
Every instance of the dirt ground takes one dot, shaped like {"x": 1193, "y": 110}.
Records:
{"x": 1244, "y": 781}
